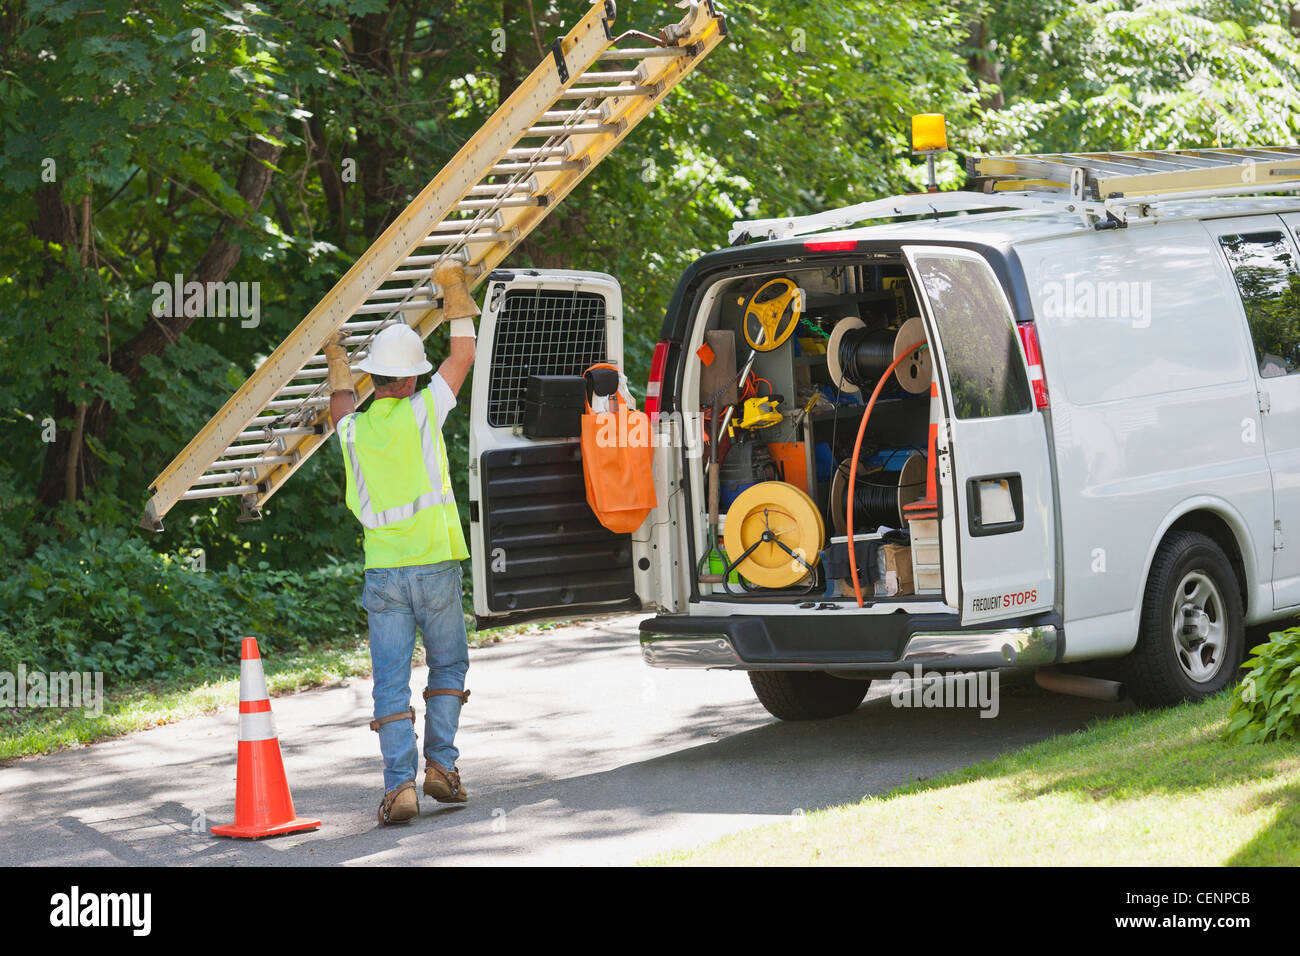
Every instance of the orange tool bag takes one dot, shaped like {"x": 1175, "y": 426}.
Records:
{"x": 617, "y": 456}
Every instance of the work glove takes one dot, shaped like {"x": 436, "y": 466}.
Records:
{"x": 340, "y": 373}
{"x": 458, "y": 306}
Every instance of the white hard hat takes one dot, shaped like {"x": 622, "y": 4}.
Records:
{"x": 396, "y": 352}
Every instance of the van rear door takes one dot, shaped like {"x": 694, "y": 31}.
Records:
{"x": 994, "y": 471}
{"x": 538, "y": 550}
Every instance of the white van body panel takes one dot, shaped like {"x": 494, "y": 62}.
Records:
{"x": 1153, "y": 398}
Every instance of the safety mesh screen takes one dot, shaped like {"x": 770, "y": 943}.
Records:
{"x": 541, "y": 332}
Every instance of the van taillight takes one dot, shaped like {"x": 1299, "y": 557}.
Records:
{"x": 1034, "y": 358}
{"x": 654, "y": 387}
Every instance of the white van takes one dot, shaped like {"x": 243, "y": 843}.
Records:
{"x": 1116, "y": 455}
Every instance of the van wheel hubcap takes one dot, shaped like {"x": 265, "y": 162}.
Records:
{"x": 1198, "y": 626}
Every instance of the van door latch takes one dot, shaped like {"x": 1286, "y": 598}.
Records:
{"x": 1277, "y": 536}
{"x": 1263, "y": 401}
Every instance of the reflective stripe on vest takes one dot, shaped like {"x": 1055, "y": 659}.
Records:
{"x": 434, "y": 452}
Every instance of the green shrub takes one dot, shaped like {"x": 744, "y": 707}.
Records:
{"x": 106, "y": 602}
{"x": 1266, "y": 704}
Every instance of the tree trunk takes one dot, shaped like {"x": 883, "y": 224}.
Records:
{"x": 983, "y": 64}
{"x": 372, "y": 52}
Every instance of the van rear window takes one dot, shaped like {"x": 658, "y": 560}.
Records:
{"x": 986, "y": 373}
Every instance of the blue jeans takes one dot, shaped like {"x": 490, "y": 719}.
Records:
{"x": 396, "y": 600}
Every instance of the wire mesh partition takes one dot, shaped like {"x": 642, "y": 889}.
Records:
{"x": 541, "y": 332}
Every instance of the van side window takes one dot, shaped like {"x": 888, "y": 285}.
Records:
{"x": 1264, "y": 265}
{"x": 980, "y": 346}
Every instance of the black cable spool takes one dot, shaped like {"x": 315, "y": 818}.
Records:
{"x": 865, "y": 354}
{"x": 879, "y": 496}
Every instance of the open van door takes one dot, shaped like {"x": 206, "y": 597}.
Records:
{"x": 995, "y": 481}
{"x": 538, "y": 550}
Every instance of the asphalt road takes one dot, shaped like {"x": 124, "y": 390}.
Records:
{"x": 573, "y": 752}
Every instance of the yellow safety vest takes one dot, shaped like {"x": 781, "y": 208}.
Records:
{"x": 398, "y": 483}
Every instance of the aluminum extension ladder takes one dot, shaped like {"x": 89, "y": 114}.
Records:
{"x": 1142, "y": 173}
{"x": 566, "y": 117}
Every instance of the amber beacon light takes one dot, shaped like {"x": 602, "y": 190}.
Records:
{"x": 929, "y": 136}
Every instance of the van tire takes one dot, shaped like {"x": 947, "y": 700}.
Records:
{"x": 1157, "y": 672}
{"x": 807, "y": 695}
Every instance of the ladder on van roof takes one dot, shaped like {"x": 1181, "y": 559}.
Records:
{"x": 566, "y": 117}
{"x": 1143, "y": 173}
{"x": 1104, "y": 189}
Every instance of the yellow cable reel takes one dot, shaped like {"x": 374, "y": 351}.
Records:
{"x": 772, "y": 314}
{"x": 783, "y": 526}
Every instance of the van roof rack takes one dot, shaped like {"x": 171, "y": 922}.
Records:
{"x": 1107, "y": 190}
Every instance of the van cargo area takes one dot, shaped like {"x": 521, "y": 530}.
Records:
{"x": 780, "y": 364}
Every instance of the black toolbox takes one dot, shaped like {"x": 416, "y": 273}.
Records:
{"x": 553, "y": 406}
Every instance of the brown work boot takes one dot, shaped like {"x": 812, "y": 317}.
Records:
{"x": 444, "y": 785}
{"x": 399, "y": 805}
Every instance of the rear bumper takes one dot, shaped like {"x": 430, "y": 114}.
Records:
{"x": 861, "y": 643}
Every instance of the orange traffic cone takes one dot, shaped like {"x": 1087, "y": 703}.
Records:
{"x": 263, "y": 804}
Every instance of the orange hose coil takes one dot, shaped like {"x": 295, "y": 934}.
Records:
{"x": 853, "y": 466}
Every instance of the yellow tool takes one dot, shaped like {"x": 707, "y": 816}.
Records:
{"x": 772, "y": 314}
{"x": 760, "y": 412}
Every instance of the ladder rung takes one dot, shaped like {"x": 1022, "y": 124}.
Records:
{"x": 217, "y": 479}
{"x": 302, "y": 402}
{"x": 494, "y": 221}
{"x": 279, "y": 432}
{"x": 297, "y": 389}
{"x": 258, "y": 449}
{"x": 462, "y": 237}
{"x": 613, "y": 77}
{"x": 541, "y": 166}
{"x": 643, "y": 53}
{"x": 532, "y": 152}
{"x": 598, "y": 112}
{"x": 409, "y": 274}
{"x": 425, "y": 293}
{"x": 219, "y": 492}
{"x": 239, "y": 464}
{"x": 383, "y": 308}
{"x": 510, "y": 203}
{"x": 528, "y": 185}
{"x": 364, "y": 326}
{"x": 606, "y": 92}
{"x": 578, "y": 129}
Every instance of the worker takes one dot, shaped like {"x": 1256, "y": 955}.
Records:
{"x": 399, "y": 487}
